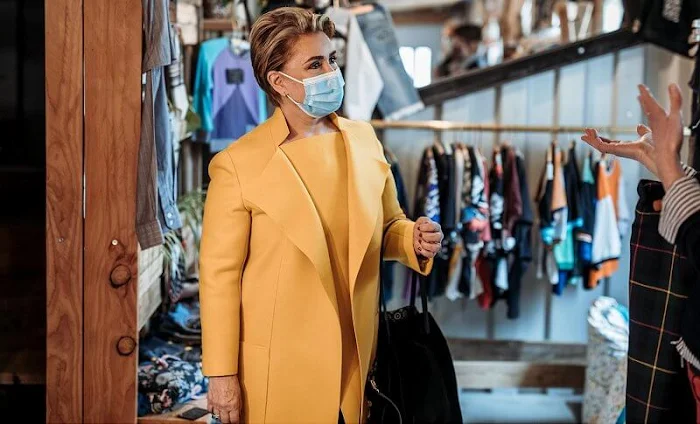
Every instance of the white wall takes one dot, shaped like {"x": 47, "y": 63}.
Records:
{"x": 598, "y": 92}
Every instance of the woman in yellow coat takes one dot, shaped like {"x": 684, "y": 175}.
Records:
{"x": 295, "y": 215}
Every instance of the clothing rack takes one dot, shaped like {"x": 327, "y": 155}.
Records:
{"x": 461, "y": 126}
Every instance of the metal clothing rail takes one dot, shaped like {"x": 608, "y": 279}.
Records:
{"x": 461, "y": 126}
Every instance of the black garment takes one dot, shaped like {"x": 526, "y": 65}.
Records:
{"x": 390, "y": 267}
{"x": 688, "y": 241}
{"x": 661, "y": 279}
{"x": 522, "y": 253}
{"x": 341, "y": 419}
{"x": 448, "y": 219}
{"x": 695, "y": 108}
{"x": 667, "y": 23}
{"x": 572, "y": 182}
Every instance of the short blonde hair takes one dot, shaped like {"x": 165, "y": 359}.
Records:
{"x": 273, "y": 35}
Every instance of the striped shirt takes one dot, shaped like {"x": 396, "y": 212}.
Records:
{"x": 681, "y": 202}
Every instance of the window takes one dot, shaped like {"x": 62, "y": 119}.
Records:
{"x": 418, "y": 63}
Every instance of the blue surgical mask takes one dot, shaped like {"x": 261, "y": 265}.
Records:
{"x": 323, "y": 94}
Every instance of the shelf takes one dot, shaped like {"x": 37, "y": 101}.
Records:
{"x": 224, "y": 25}
{"x": 477, "y": 80}
{"x": 171, "y": 417}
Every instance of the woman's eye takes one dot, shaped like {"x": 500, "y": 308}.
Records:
{"x": 333, "y": 59}
{"x": 315, "y": 65}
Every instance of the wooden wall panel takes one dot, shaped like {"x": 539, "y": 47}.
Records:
{"x": 112, "y": 128}
{"x": 64, "y": 201}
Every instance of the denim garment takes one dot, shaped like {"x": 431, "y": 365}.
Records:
{"x": 156, "y": 209}
{"x": 399, "y": 98}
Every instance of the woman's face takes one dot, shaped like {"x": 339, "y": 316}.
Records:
{"x": 312, "y": 55}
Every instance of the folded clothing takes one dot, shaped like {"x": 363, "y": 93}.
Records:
{"x": 168, "y": 381}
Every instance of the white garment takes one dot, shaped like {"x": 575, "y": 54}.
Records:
{"x": 623, "y": 212}
{"x": 606, "y": 235}
{"x": 363, "y": 81}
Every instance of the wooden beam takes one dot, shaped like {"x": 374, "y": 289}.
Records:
{"x": 112, "y": 129}
{"x": 509, "y": 350}
{"x": 422, "y": 16}
{"x": 64, "y": 210}
{"x": 459, "y": 85}
{"x": 505, "y": 374}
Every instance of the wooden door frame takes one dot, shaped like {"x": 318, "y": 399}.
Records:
{"x": 93, "y": 110}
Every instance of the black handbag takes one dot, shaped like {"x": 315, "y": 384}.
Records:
{"x": 412, "y": 379}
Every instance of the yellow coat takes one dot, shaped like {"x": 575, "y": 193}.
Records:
{"x": 268, "y": 303}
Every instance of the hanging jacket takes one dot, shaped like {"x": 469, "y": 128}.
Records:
{"x": 553, "y": 215}
{"x": 475, "y": 220}
{"x": 564, "y": 252}
{"x": 607, "y": 246}
{"x": 522, "y": 250}
{"x": 457, "y": 252}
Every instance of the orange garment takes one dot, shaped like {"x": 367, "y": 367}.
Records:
{"x": 606, "y": 235}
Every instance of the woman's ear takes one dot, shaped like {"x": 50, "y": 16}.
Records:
{"x": 277, "y": 82}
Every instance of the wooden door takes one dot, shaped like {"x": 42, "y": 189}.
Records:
{"x": 93, "y": 101}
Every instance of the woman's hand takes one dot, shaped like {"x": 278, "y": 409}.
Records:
{"x": 427, "y": 237}
{"x": 641, "y": 150}
{"x": 224, "y": 398}
{"x": 667, "y": 128}
{"x": 658, "y": 147}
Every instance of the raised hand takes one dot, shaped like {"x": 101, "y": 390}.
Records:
{"x": 641, "y": 150}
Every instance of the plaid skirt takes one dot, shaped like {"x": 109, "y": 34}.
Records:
{"x": 661, "y": 277}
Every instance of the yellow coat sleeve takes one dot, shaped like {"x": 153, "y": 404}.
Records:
{"x": 398, "y": 231}
{"x": 224, "y": 248}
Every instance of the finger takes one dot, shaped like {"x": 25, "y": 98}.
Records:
{"x": 429, "y": 227}
{"x": 674, "y": 93}
{"x": 430, "y": 247}
{"x": 422, "y": 220}
{"x": 431, "y": 237}
{"x": 224, "y": 417}
{"x": 234, "y": 416}
{"x": 651, "y": 107}
{"x": 643, "y": 130}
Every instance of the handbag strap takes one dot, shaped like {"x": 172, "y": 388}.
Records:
{"x": 416, "y": 278}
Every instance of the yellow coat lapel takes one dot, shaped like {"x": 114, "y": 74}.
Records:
{"x": 280, "y": 192}
{"x": 367, "y": 172}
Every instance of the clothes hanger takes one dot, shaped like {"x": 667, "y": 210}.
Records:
{"x": 237, "y": 39}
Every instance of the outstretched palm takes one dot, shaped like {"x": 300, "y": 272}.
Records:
{"x": 641, "y": 150}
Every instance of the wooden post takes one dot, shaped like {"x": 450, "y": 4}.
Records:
{"x": 64, "y": 210}
{"x": 112, "y": 37}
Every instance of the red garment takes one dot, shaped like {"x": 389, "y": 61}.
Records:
{"x": 483, "y": 271}
{"x": 694, "y": 378}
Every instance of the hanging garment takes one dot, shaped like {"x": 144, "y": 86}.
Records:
{"x": 363, "y": 80}
{"x": 662, "y": 277}
{"x": 226, "y": 94}
{"x": 428, "y": 202}
{"x": 584, "y": 234}
{"x": 522, "y": 250}
{"x": 483, "y": 266}
{"x": 495, "y": 248}
{"x": 390, "y": 267}
{"x": 553, "y": 214}
{"x": 399, "y": 97}
{"x": 445, "y": 169}
{"x": 607, "y": 246}
{"x": 457, "y": 253}
{"x": 156, "y": 207}
{"x": 564, "y": 252}
{"x": 474, "y": 219}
